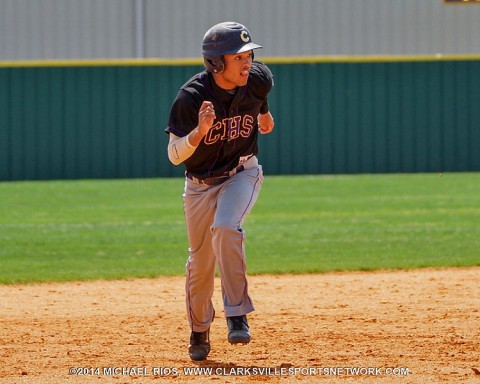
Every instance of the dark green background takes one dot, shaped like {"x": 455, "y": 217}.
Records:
{"x": 74, "y": 122}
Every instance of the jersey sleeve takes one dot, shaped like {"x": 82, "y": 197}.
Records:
{"x": 262, "y": 82}
{"x": 183, "y": 115}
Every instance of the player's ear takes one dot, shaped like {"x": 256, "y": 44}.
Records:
{"x": 215, "y": 64}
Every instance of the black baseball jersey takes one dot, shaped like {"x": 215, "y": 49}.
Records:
{"x": 234, "y": 134}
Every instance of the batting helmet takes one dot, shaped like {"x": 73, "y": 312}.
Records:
{"x": 225, "y": 39}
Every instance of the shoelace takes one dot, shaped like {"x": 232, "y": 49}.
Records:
{"x": 237, "y": 323}
{"x": 199, "y": 338}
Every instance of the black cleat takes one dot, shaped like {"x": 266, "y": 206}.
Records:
{"x": 238, "y": 331}
{"x": 199, "y": 347}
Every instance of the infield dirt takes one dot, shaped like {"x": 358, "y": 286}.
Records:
{"x": 419, "y": 326}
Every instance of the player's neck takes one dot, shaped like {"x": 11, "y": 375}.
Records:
{"x": 226, "y": 85}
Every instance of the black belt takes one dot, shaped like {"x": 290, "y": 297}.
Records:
{"x": 211, "y": 181}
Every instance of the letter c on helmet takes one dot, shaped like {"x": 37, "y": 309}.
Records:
{"x": 244, "y": 36}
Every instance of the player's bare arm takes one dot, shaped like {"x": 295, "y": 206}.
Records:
{"x": 265, "y": 123}
{"x": 181, "y": 148}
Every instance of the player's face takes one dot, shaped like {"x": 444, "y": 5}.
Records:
{"x": 237, "y": 69}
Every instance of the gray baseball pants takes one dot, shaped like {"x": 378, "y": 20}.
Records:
{"x": 214, "y": 217}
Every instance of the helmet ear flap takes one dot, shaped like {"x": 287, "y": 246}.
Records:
{"x": 214, "y": 64}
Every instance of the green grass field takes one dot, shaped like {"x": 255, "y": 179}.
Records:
{"x": 110, "y": 229}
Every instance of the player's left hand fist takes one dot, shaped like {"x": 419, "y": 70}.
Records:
{"x": 265, "y": 123}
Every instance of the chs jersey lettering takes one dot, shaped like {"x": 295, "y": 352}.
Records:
{"x": 230, "y": 129}
{"x": 234, "y": 133}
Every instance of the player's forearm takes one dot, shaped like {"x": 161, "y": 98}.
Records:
{"x": 181, "y": 148}
{"x": 195, "y": 137}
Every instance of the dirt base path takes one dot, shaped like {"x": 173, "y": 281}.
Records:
{"x": 420, "y": 326}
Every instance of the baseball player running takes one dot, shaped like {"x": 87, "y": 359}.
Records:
{"x": 213, "y": 129}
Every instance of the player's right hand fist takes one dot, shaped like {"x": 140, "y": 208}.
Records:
{"x": 206, "y": 117}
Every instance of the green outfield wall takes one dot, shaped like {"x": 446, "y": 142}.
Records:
{"x": 71, "y": 120}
